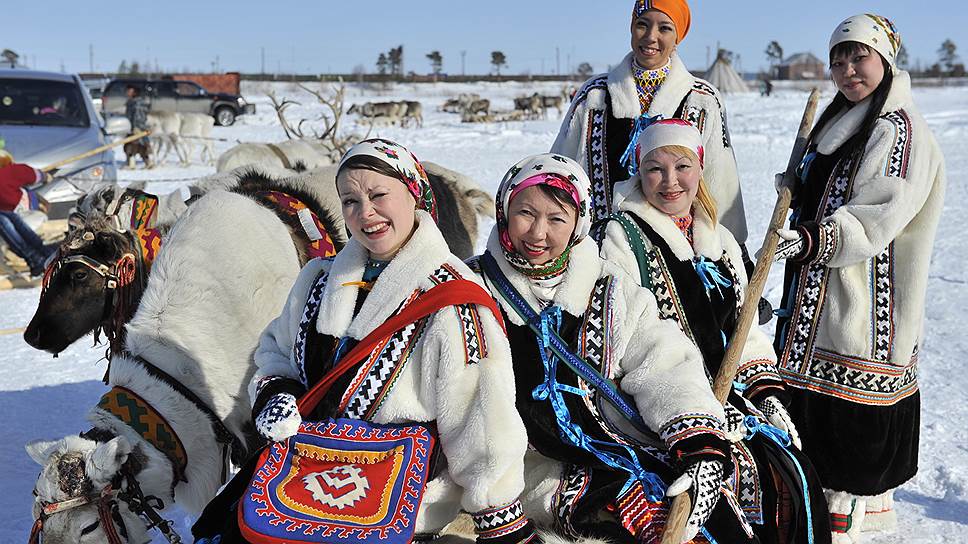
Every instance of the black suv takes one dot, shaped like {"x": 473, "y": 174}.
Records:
{"x": 176, "y": 96}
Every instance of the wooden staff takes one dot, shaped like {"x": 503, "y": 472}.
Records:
{"x": 682, "y": 504}
{"x": 95, "y": 151}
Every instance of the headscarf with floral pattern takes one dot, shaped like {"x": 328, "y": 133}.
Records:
{"x": 404, "y": 163}
{"x": 545, "y": 169}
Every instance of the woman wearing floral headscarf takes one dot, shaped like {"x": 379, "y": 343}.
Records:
{"x": 627, "y": 410}
{"x": 866, "y": 207}
{"x": 451, "y": 369}
{"x": 650, "y": 81}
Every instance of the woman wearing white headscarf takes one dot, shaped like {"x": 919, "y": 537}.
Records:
{"x": 866, "y": 207}
{"x": 639, "y": 414}
{"x": 451, "y": 369}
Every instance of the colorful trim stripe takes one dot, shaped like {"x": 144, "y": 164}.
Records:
{"x": 143, "y": 419}
{"x": 855, "y": 379}
{"x": 499, "y": 521}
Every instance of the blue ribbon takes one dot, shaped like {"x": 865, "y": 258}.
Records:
{"x": 710, "y": 275}
{"x": 781, "y": 438}
{"x": 641, "y": 123}
{"x": 548, "y": 322}
{"x": 803, "y": 170}
{"x": 553, "y": 349}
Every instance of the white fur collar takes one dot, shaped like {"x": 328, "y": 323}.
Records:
{"x": 846, "y": 123}
{"x": 584, "y": 269}
{"x": 408, "y": 271}
{"x": 625, "y": 97}
{"x": 706, "y": 238}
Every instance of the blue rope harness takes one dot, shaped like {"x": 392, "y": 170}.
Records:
{"x": 641, "y": 123}
{"x": 552, "y": 350}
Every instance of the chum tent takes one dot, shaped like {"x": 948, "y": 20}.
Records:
{"x": 722, "y": 76}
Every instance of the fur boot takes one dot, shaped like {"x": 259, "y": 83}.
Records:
{"x": 880, "y": 514}
{"x": 846, "y": 516}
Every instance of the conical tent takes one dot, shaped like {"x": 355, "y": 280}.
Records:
{"x": 722, "y": 75}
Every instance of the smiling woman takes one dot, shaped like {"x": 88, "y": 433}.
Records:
{"x": 446, "y": 375}
{"x": 610, "y": 109}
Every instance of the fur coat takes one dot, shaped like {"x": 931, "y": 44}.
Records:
{"x": 456, "y": 371}
{"x": 596, "y": 130}
{"x": 757, "y": 365}
{"x": 857, "y": 308}
{"x": 648, "y": 358}
{"x": 852, "y": 321}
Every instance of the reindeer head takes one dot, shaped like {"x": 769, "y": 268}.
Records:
{"x": 78, "y": 477}
{"x": 78, "y": 294}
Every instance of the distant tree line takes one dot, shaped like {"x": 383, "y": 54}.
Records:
{"x": 948, "y": 64}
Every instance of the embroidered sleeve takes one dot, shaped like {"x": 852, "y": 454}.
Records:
{"x": 900, "y": 175}
{"x": 759, "y": 377}
{"x": 503, "y": 525}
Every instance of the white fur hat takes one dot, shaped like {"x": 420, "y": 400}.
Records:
{"x": 668, "y": 132}
{"x": 874, "y": 31}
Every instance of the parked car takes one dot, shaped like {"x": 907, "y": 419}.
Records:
{"x": 173, "y": 95}
{"x": 46, "y": 117}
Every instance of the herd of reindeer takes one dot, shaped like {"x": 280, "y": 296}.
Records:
{"x": 181, "y": 133}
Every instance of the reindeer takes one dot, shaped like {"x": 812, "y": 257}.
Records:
{"x": 529, "y": 106}
{"x": 552, "y": 101}
{"x": 197, "y": 126}
{"x": 185, "y": 356}
{"x": 165, "y": 129}
{"x": 383, "y": 112}
{"x": 414, "y": 113}
{"x": 306, "y": 148}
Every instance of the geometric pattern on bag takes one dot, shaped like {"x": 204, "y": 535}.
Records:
{"x": 340, "y": 483}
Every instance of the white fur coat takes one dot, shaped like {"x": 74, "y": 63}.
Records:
{"x": 713, "y": 241}
{"x": 650, "y": 359}
{"x": 704, "y": 107}
{"x": 859, "y": 309}
{"x": 480, "y": 431}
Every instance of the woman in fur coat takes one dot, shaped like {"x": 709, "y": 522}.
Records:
{"x": 599, "y": 468}
{"x": 865, "y": 211}
{"x": 668, "y": 238}
{"x": 650, "y": 81}
{"x": 451, "y": 369}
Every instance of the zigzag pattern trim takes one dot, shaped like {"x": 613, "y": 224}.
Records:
{"x": 572, "y": 486}
{"x": 856, "y": 380}
{"x": 686, "y": 426}
{"x": 499, "y": 521}
{"x": 900, "y": 156}
{"x": 306, "y": 324}
{"x": 882, "y": 318}
{"x": 601, "y": 193}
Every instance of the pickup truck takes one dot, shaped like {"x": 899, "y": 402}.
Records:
{"x": 172, "y": 95}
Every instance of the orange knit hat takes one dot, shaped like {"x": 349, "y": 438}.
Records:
{"x": 677, "y": 10}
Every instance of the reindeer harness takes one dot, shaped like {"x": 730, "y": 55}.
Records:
{"x": 108, "y": 512}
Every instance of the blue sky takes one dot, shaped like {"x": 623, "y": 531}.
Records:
{"x": 325, "y": 36}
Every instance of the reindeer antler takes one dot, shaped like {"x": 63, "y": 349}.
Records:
{"x": 281, "y": 108}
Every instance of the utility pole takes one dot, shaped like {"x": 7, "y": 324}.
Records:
{"x": 217, "y": 67}
{"x": 542, "y": 66}
{"x": 90, "y": 57}
{"x": 263, "y": 65}
{"x": 462, "y": 55}
{"x": 707, "y": 56}
{"x": 557, "y": 61}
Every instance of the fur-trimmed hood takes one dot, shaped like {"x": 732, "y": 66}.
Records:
{"x": 584, "y": 269}
{"x": 846, "y": 123}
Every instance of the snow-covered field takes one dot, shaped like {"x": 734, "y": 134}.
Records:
{"x": 41, "y": 397}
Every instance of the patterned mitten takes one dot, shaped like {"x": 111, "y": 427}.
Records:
{"x": 792, "y": 245}
{"x": 705, "y": 479}
{"x": 279, "y": 419}
{"x": 778, "y": 416}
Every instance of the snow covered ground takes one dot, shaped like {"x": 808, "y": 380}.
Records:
{"x": 41, "y": 397}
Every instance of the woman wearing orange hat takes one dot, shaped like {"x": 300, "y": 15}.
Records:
{"x": 610, "y": 109}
